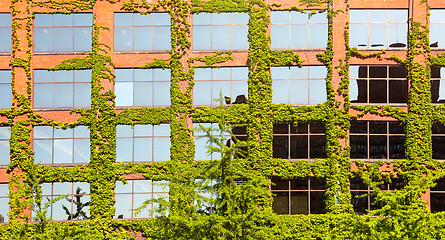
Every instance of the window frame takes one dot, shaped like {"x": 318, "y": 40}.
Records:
{"x": 6, "y": 28}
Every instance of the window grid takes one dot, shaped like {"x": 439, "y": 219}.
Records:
{"x": 231, "y": 81}
{"x": 239, "y": 39}
{"x": 305, "y": 141}
{"x": 300, "y": 86}
{"x": 142, "y": 87}
{"x": 5, "y": 32}
{"x": 56, "y": 92}
{"x": 138, "y": 191}
{"x": 4, "y": 205}
{"x": 367, "y": 20}
{"x": 307, "y": 193}
{"x": 383, "y": 84}
{"x": 5, "y": 135}
{"x": 437, "y": 196}
{"x": 5, "y": 88}
{"x": 316, "y": 38}
{"x": 53, "y": 145}
{"x": 148, "y": 143}
{"x": 80, "y": 30}
{"x": 158, "y": 41}
{"x": 56, "y": 212}
{"x": 377, "y": 140}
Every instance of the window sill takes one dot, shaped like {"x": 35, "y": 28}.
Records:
{"x": 142, "y": 52}
{"x": 60, "y": 109}
{"x": 140, "y": 107}
{"x": 62, "y": 53}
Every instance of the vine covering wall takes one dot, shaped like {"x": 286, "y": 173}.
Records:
{"x": 245, "y": 211}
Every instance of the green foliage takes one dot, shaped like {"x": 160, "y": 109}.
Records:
{"x": 242, "y": 211}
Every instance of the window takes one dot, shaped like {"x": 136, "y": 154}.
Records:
{"x": 437, "y": 196}
{"x": 4, "y": 205}
{"x": 361, "y": 195}
{"x": 5, "y": 32}
{"x": 293, "y": 85}
{"x": 57, "y": 89}
{"x": 138, "y": 32}
{"x": 201, "y": 143}
{"x": 438, "y": 140}
{"x": 73, "y": 207}
{"x": 5, "y": 134}
{"x": 5, "y": 88}
{"x": 437, "y": 85}
{"x": 304, "y": 141}
{"x": 298, "y": 196}
{"x": 232, "y": 82}
{"x": 142, "y": 87}
{"x": 62, "y": 32}
{"x": 378, "y": 84}
{"x": 56, "y": 146}
{"x": 437, "y": 25}
{"x": 133, "y": 195}
{"x": 378, "y": 28}
{"x": 292, "y": 30}
{"x": 377, "y": 140}
{"x": 143, "y": 143}
{"x": 214, "y": 31}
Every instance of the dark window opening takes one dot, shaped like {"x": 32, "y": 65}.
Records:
{"x": 438, "y": 140}
{"x": 299, "y": 196}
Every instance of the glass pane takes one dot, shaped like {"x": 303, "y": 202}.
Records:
{"x": 239, "y": 88}
{"x": 63, "y": 95}
{"x": 299, "y": 36}
{"x": 202, "y": 93}
{"x": 279, "y": 36}
{"x": 143, "y": 149}
{"x": 380, "y": 16}
{"x": 299, "y": 91}
{"x": 378, "y": 34}
{"x": 281, "y": 90}
{"x": 398, "y": 91}
{"x": 83, "y": 19}
{"x": 143, "y": 20}
{"x": 438, "y": 147}
{"x": 82, "y": 76}
{"x": 43, "y": 151}
{"x": 63, "y": 151}
{"x": 4, "y": 152}
{"x": 360, "y": 205}
{"x": 299, "y": 203}
{"x": 123, "y": 205}
{"x": 317, "y": 91}
{"x": 124, "y": 150}
{"x": 396, "y": 147}
{"x": 281, "y": 147}
{"x": 5, "y": 39}
{"x": 161, "y": 75}
{"x": 224, "y": 88}
{"x": 317, "y": 203}
{"x": 43, "y": 95}
{"x": 200, "y": 149}
{"x": 124, "y": 131}
{"x": 161, "y": 38}
{"x": 221, "y": 18}
{"x": 143, "y": 39}
{"x": 240, "y": 18}
{"x": 377, "y": 91}
{"x": 318, "y": 147}
{"x": 221, "y": 37}
{"x": 298, "y": 147}
{"x": 359, "y": 147}
{"x": 161, "y": 149}
{"x": 239, "y": 37}
{"x": 319, "y": 18}
{"x": 161, "y": 19}
{"x": 279, "y": 17}
{"x": 202, "y": 19}
{"x": 81, "y": 150}
{"x": 202, "y": 37}
{"x": 161, "y": 93}
{"x": 142, "y": 130}
{"x": 377, "y": 127}
{"x": 124, "y": 93}
{"x": 63, "y": 39}
{"x": 319, "y": 35}
{"x": 377, "y": 147}
{"x": 358, "y": 36}
{"x": 143, "y": 94}
{"x": 63, "y": 20}
{"x": 5, "y": 96}
{"x": 437, "y": 35}
{"x": 123, "y": 19}
{"x": 82, "y": 95}
{"x": 124, "y": 188}
{"x": 43, "y": 39}
{"x": 82, "y": 38}
{"x": 281, "y": 202}
{"x": 123, "y": 38}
